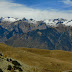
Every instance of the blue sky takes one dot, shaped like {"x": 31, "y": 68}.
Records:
{"x": 37, "y": 9}
{"x": 46, "y": 4}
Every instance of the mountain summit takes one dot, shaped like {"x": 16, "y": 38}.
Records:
{"x": 10, "y": 19}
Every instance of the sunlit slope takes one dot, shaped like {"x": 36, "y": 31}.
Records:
{"x": 45, "y": 60}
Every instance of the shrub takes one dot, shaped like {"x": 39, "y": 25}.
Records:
{"x": 9, "y": 67}
{"x": 7, "y": 59}
{"x": 17, "y": 68}
{"x": 16, "y": 63}
{"x": 1, "y": 70}
{"x": 20, "y": 69}
{"x": 10, "y": 59}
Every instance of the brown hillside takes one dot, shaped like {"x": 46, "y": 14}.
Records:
{"x": 40, "y": 60}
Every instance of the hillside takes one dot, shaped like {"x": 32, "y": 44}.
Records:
{"x": 39, "y": 60}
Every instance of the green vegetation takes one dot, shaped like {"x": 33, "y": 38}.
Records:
{"x": 70, "y": 71}
{"x": 9, "y": 67}
{"x": 16, "y": 63}
{"x": 17, "y": 68}
{"x": 1, "y": 70}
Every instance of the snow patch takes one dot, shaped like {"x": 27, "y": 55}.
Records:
{"x": 10, "y": 19}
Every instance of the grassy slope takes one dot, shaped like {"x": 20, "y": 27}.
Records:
{"x": 44, "y": 60}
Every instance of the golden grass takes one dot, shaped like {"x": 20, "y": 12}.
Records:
{"x": 40, "y": 60}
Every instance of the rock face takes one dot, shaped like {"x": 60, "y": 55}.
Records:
{"x": 45, "y": 39}
{"x": 37, "y": 34}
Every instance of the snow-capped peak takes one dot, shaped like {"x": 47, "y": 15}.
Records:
{"x": 24, "y": 19}
{"x": 68, "y": 23}
{"x": 32, "y": 21}
{"x": 49, "y": 22}
{"x": 10, "y": 19}
{"x": 29, "y": 20}
{"x": 55, "y": 22}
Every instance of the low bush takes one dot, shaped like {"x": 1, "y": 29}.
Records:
{"x": 70, "y": 71}
{"x": 7, "y": 59}
{"x": 1, "y": 70}
{"x": 9, "y": 67}
{"x": 10, "y": 59}
{"x": 17, "y": 68}
{"x": 16, "y": 63}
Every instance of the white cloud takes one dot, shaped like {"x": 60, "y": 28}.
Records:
{"x": 67, "y": 2}
{"x": 8, "y": 8}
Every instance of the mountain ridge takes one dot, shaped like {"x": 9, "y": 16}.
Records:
{"x": 24, "y": 33}
{"x": 49, "y": 22}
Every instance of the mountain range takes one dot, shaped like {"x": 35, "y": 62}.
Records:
{"x": 52, "y": 34}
